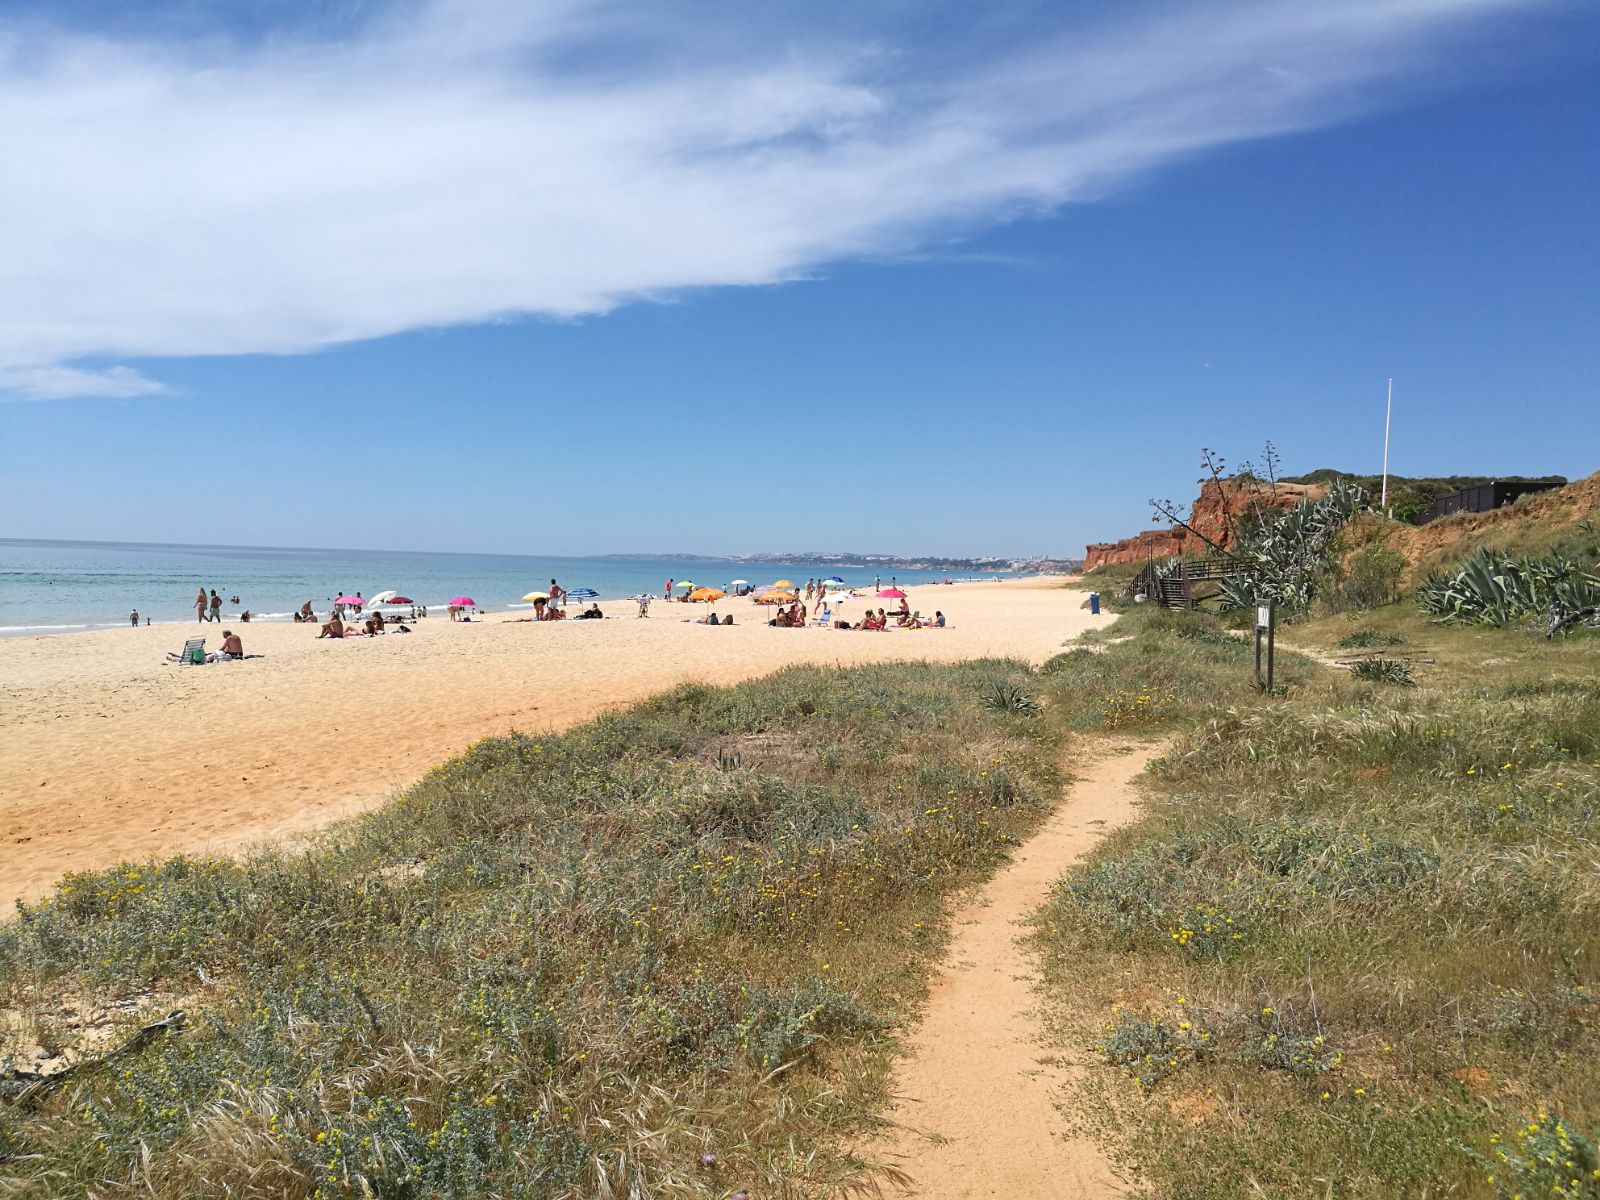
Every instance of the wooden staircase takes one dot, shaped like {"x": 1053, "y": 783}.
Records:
{"x": 1177, "y": 589}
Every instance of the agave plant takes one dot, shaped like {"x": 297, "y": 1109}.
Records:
{"x": 1008, "y": 697}
{"x": 1288, "y": 551}
{"x": 1384, "y": 670}
{"x": 1492, "y": 588}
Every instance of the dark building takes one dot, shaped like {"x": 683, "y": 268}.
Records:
{"x": 1486, "y": 497}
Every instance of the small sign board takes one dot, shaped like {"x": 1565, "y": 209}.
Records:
{"x": 1263, "y": 616}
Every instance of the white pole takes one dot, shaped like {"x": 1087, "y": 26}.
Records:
{"x": 1388, "y": 407}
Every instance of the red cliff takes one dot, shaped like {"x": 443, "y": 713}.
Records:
{"x": 1214, "y": 515}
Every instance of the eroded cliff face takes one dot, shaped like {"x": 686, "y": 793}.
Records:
{"x": 1214, "y": 514}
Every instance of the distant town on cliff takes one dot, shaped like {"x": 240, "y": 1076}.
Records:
{"x": 845, "y": 560}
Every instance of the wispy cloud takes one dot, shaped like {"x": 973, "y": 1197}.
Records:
{"x": 58, "y": 382}
{"x": 453, "y": 162}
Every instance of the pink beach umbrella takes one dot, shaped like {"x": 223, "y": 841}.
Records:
{"x": 349, "y": 600}
{"x": 892, "y": 594}
{"x": 464, "y": 602}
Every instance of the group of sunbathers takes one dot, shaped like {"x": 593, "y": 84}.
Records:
{"x": 793, "y": 617}
{"x": 337, "y": 627}
{"x": 903, "y": 618}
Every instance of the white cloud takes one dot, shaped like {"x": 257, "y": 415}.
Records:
{"x": 456, "y": 162}
{"x": 58, "y": 382}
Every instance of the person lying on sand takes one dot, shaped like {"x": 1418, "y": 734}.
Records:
{"x": 333, "y": 629}
{"x": 552, "y": 613}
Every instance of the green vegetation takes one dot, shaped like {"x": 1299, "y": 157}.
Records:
{"x": 657, "y": 955}
{"x": 1491, "y": 588}
{"x": 1410, "y": 499}
{"x": 1350, "y": 948}
{"x": 1384, "y": 670}
{"x": 1369, "y": 637}
{"x": 1289, "y": 551}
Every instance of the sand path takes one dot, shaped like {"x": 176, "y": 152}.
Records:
{"x": 978, "y": 1095}
{"x": 107, "y": 754}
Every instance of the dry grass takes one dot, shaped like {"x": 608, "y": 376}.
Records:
{"x": 1351, "y": 949}
{"x": 661, "y": 955}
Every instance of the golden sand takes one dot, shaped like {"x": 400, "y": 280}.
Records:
{"x": 108, "y": 754}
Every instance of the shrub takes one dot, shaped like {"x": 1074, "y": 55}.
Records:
{"x": 1369, "y": 579}
{"x": 1149, "y": 1049}
{"x": 1384, "y": 670}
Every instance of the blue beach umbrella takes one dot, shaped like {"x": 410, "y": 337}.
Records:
{"x": 583, "y": 593}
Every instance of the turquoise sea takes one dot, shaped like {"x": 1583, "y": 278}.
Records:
{"x": 53, "y": 587}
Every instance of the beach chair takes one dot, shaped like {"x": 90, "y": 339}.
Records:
{"x": 186, "y": 655}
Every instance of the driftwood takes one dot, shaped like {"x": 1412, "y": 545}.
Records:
{"x": 1560, "y": 618}
{"x": 21, "y": 1087}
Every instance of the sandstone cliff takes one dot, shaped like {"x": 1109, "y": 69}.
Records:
{"x": 1213, "y": 515}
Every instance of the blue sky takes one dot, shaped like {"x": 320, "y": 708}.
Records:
{"x": 578, "y": 282}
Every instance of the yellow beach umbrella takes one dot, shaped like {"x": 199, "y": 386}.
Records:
{"x": 783, "y": 583}
{"x": 706, "y": 594}
{"x": 532, "y": 596}
{"x": 776, "y": 597}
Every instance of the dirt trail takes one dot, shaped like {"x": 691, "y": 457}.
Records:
{"x": 978, "y": 1093}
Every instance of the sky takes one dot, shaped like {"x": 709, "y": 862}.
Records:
{"x": 716, "y": 277}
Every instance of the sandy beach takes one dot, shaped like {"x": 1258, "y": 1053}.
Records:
{"x": 108, "y": 754}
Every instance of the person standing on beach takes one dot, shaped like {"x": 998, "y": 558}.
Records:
{"x": 133, "y": 617}
{"x": 667, "y": 594}
{"x": 216, "y": 607}
{"x": 557, "y": 596}
{"x": 877, "y": 583}
{"x": 200, "y": 604}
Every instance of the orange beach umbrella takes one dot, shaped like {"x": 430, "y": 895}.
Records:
{"x": 706, "y": 594}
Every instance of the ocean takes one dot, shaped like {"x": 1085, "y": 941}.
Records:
{"x": 57, "y": 587}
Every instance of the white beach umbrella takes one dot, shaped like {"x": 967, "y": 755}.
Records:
{"x": 382, "y": 597}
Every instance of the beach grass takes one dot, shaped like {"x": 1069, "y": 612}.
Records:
{"x": 661, "y": 954}
{"x": 1351, "y": 947}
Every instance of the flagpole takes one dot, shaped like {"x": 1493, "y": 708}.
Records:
{"x": 1388, "y": 408}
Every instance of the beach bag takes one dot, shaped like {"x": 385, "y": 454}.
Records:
{"x": 197, "y": 656}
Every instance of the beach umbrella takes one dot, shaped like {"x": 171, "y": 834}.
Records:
{"x": 583, "y": 593}
{"x": 463, "y": 602}
{"x": 685, "y": 583}
{"x": 349, "y": 600}
{"x": 706, "y": 594}
{"x": 777, "y": 595}
{"x": 892, "y": 594}
{"x": 381, "y": 598}
{"x": 530, "y": 597}
{"x": 833, "y": 579}
{"x": 783, "y": 583}
{"x": 399, "y": 599}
